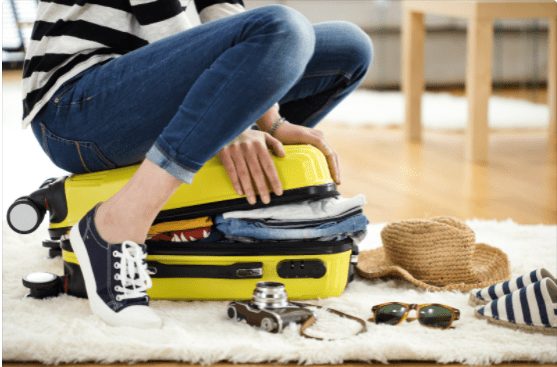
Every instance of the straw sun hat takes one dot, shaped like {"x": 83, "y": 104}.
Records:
{"x": 440, "y": 254}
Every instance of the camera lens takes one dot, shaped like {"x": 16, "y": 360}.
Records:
{"x": 270, "y": 295}
{"x": 270, "y": 286}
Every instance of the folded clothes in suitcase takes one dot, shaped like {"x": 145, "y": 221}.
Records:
{"x": 184, "y": 265}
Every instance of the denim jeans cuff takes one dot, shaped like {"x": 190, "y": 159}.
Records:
{"x": 163, "y": 160}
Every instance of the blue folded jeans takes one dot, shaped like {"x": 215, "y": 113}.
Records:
{"x": 179, "y": 100}
{"x": 356, "y": 238}
{"x": 241, "y": 228}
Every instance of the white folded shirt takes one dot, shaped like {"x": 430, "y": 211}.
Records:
{"x": 309, "y": 209}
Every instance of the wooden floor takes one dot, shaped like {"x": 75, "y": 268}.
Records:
{"x": 416, "y": 181}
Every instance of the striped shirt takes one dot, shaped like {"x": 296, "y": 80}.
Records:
{"x": 70, "y": 36}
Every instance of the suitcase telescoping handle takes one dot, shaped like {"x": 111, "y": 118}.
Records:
{"x": 252, "y": 270}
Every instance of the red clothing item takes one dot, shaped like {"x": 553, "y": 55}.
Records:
{"x": 187, "y": 235}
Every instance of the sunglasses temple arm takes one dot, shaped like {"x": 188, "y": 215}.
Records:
{"x": 410, "y": 319}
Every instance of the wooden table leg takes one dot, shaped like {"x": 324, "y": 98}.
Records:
{"x": 478, "y": 87}
{"x": 413, "y": 36}
{"x": 552, "y": 78}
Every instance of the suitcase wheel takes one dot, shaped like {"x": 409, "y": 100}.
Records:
{"x": 53, "y": 252}
{"x": 53, "y": 247}
{"x": 25, "y": 216}
{"x": 42, "y": 285}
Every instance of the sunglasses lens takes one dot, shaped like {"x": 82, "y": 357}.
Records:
{"x": 435, "y": 316}
{"x": 390, "y": 314}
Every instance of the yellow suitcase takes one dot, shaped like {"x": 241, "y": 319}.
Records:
{"x": 203, "y": 270}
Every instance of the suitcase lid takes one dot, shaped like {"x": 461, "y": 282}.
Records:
{"x": 304, "y": 174}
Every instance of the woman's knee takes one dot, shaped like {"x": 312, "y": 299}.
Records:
{"x": 293, "y": 32}
{"x": 356, "y": 44}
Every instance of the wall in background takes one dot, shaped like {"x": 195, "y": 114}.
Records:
{"x": 519, "y": 47}
{"x": 519, "y": 53}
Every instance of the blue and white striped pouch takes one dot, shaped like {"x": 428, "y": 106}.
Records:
{"x": 485, "y": 295}
{"x": 531, "y": 309}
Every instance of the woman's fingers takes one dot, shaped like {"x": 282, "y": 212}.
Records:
{"x": 333, "y": 162}
{"x": 243, "y": 173}
{"x": 230, "y": 167}
{"x": 288, "y": 133}
{"x": 250, "y": 165}
{"x": 337, "y": 163}
{"x": 275, "y": 145}
{"x": 268, "y": 165}
{"x": 318, "y": 140}
{"x": 254, "y": 167}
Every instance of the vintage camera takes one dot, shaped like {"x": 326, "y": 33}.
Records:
{"x": 269, "y": 308}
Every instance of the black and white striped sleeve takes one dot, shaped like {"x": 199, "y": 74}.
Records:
{"x": 159, "y": 18}
{"x": 215, "y": 9}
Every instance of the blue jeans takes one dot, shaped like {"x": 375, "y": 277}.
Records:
{"x": 241, "y": 228}
{"x": 179, "y": 100}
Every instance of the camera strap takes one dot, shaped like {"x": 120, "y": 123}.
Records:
{"x": 312, "y": 320}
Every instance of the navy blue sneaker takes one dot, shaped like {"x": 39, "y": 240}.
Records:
{"x": 115, "y": 275}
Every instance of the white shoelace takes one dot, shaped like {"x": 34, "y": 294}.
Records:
{"x": 131, "y": 265}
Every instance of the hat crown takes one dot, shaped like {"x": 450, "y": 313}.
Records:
{"x": 438, "y": 251}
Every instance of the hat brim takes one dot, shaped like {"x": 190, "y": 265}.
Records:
{"x": 491, "y": 264}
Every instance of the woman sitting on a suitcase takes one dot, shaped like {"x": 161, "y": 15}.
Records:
{"x": 109, "y": 83}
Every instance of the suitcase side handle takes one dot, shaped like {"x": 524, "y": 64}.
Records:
{"x": 253, "y": 270}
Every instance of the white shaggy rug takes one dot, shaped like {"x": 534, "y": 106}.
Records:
{"x": 63, "y": 329}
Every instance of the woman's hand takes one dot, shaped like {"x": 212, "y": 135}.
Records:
{"x": 247, "y": 157}
{"x": 289, "y": 134}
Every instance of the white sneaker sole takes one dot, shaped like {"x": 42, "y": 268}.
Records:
{"x": 134, "y": 316}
